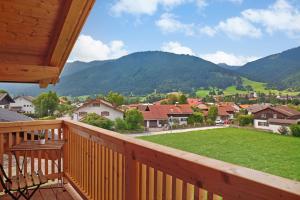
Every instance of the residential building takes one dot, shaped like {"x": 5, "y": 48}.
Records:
{"x": 23, "y": 104}
{"x": 161, "y": 116}
{"x": 195, "y": 102}
{"x": 256, "y": 107}
{"x": 100, "y": 107}
{"x": 267, "y": 117}
{"x": 5, "y": 100}
{"x": 226, "y": 113}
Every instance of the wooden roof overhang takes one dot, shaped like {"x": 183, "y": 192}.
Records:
{"x": 37, "y": 36}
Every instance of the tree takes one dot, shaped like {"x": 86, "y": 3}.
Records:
{"x": 245, "y": 120}
{"x": 45, "y": 104}
{"x": 295, "y": 130}
{"x": 3, "y": 91}
{"x": 99, "y": 121}
{"x": 195, "y": 118}
{"x": 134, "y": 119}
{"x": 63, "y": 109}
{"x": 182, "y": 99}
{"x": 115, "y": 98}
{"x": 212, "y": 113}
{"x": 121, "y": 125}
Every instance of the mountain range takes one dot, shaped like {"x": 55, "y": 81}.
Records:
{"x": 143, "y": 72}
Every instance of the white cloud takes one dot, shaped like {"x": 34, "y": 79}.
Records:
{"x": 176, "y": 47}
{"x": 149, "y": 7}
{"x": 169, "y": 24}
{"x": 208, "y": 31}
{"x": 88, "y": 49}
{"x": 201, "y": 3}
{"x": 138, "y": 7}
{"x": 236, "y": 1}
{"x": 228, "y": 58}
{"x": 281, "y": 16}
{"x": 238, "y": 27}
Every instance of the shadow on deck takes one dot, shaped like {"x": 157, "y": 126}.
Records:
{"x": 46, "y": 193}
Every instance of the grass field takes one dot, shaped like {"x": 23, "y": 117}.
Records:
{"x": 271, "y": 153}
{"x": 257, "y": 87}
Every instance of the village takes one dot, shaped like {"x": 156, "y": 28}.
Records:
{"x": 175, "y": 111}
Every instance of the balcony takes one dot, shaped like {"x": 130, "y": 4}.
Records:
{"x": 101, "y": 164}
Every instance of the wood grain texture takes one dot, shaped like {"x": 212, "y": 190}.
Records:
{"x": 39, "y": 33}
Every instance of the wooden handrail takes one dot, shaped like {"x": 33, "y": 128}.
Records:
{"x": 217, "y": 177}
{"x": 102, "y": 164}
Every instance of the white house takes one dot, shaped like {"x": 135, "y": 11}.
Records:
{"x": 23, "y": 104}
{"x": 100, "y": 107}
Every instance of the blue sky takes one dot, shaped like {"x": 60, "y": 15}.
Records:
{"x": 227, "y": 31}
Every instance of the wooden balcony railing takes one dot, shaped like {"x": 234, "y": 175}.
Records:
{"x": 105, "y": 165}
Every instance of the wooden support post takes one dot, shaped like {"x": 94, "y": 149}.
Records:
{"x": 131, "y": 175}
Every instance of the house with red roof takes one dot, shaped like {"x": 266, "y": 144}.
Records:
{"x": 226, "y": 113}
{"x": 161, "y": 116}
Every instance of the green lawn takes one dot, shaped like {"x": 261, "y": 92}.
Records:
{"x": 271, "y": 153}
{"x": 257, "y": 87}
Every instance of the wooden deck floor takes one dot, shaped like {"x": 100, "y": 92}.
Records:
{"x": 49, "y": 194}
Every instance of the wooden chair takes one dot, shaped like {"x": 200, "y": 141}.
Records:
{"x": 18, "y": 186}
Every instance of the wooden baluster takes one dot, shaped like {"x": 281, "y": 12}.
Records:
{"x": 81, "y": 162}
{"x": 131, "y": 174}
{"x": 120, "y": 169}
{"x": 98, "y": 176}
{"x": 155, "y": 184}
{"x": 164, "y": 188}
{"x": 53, "y": 153}
{"x": 147, "y": 182}
{"x": 39, "y": 156}
{"x": 210, "y": 195}
{"x": 173, "y": 188}
{"x": 46, "y": 154}
{"x": 196, "y": 193}
{"x": 25, "y": 156}
{"x": 140, "y": 185}
{"x": 184, "y": 190}
{"x": 10, "y": 142}
{"x": 202, "y": 194}
{"x": 103, "y": 172}
{"x": 66, "y": 148}
{"x": 59, "y": 134}
{"x": 32, "y": 153}
{"x": 17, "y": 157}
{"x": 110, "y": 175}
{"x": 106, "y": 174}
{"x": 115, "y": 175}
{"x": 1, "y": 154}
{"x": 93, "y": 174}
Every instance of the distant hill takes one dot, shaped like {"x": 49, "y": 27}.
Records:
{"x": 230, "y": 67}
{"x": 73, "y": 67}
{"x": 141, "y": 73}
{"x": 281, "y": 70}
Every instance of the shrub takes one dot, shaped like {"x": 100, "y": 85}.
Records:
{"x": 134, "y": 119}
{"x": 121, "y": 124}
{"x": 295, "y": 130}
{"x": 245, "y": 120}
{"x": 195, "y": 118}
{"x": 283, "y": 130}
{"x": 99, "y": 121}
{"x": 210, "y": 122}
{"x": 212, "y": 113}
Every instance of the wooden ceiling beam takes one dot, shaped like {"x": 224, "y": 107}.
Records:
{"x": 28, "y": 73}
{"x": 62, "y": 45}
